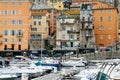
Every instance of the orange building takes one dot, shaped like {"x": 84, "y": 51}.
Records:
{"x": 106, "y": 24}
{"x": 14, "y": 25}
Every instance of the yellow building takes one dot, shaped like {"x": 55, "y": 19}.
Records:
{"x": 39, "y": 27}
{"x": 58, "y": 4}
{"x": 106, "y": 24}
{"x": 14, "y": 25}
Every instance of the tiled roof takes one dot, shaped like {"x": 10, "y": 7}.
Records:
{"x": 39, "y": 7}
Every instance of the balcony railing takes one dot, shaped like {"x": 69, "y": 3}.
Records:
{"x": 19, "y": 35}
{"x": 74, "y": 31}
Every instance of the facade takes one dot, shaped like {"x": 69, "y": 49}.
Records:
{"x": 119, "y": 19}
{"x": 58, "y": 4}
{"x": 39, "y": 26}
{"x": 14, "y": 25}
{"x": 106, "y": 24}
{"x": 87, "y": 38}
{"x": 67, "y": 35}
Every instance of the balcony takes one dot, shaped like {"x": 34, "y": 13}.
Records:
{"x": 19, "y": 35}
{"x": 74, "y": 31}
{"x": 88, "y": 19}
{"x": 88, "y": 35}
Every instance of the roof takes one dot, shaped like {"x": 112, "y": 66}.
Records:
{"x": 40, "y": 7}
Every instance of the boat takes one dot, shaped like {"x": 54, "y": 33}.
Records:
{"x": 89, "y": 73}
{"x": 8, "y": 76}
{"x": 78, "y": 62}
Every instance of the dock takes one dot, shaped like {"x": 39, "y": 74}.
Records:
{"x": 58, "y": 75}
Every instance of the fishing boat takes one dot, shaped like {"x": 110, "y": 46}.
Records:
{"x": 78, "y": 62}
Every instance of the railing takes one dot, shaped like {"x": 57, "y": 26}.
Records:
{"x": 74, "y": 31}
{"x": 19, "y": 35}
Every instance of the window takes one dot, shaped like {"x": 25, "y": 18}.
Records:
{"x": 63, "y": 36}
{"x": 109, "y": 18}
{"x": 13, "y": 21}
{"x": 19, "y": 11}
{"x": 5, "y": 47}
{"x": 13, "y": 12}
{"x": 12, "y": 40}
{"x": 5, "y": 12}
{"x": 12, "y": 46}
{"x": 20, "y": 4}
{"x": 19, "y": 32}
{"x": 19, "y": 47}
{"x": 63, "y": 28}
{"x": 71, "y": 37}
{"x": 101, "y": 19}
{"x": 12, "y": 32}
{"x": 109, "y": 36}
{"x": 37, "y": 17}
{"x": 71, "y": 29}
{"x": 20, "y": 22}
{"x": 6, "y": 3}
{"x": 109, "y": 11}
{"x": 5, "y": 21}
{"x": 63, "y": 20}
{"x": 39, "y": 22}
{"x": 33, "y": 0}
{"x": 19, "y": 40}
{"x": 101, "y": 6}
{"x": 32, "y": 35}
{"x": 13, "y": 4}
{"x": 37, "y": 36}
{"x": 101, "y": 37}
{"x": 5, "y": 40}
{"x": 33, "y": 29}
{"x": 5, "y": 32}
{"x": 34, "y": 23}
{"x": 101, "y": 28}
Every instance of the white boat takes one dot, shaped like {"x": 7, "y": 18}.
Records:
{"x": 78, "y": 62}
{"x": 8, "y": 76}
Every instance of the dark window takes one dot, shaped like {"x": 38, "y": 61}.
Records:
{"x": 39, "y": 23}
{"x": 34, "y": 22}
{"x": 12, "y": 46}
{"x": 5, "y": 47}
{"x": 19, "y": 47}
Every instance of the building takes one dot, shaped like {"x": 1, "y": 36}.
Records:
{"x": 39, "y": 26}
{"x": 58, "y": 4}
{"x": 119, "y": 19}
{"x": 67, "y": 33}
{"x": 87, "y": 38}
{"x": 106, "y": 24}
{"x": 14, "y": 26}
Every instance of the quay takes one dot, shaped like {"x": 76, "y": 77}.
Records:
{"x": 63, "y": 74}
